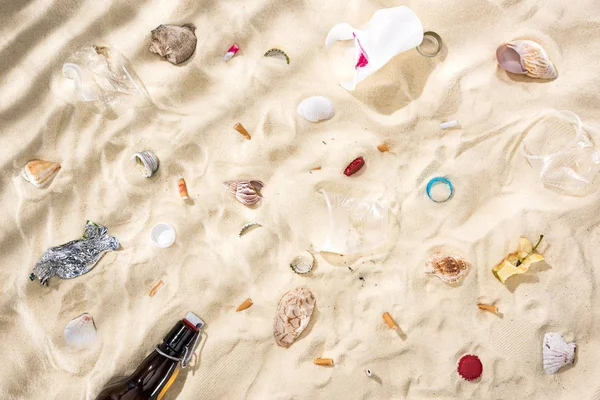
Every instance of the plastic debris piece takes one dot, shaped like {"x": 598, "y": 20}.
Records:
{"x": 231, "y": 52}
{"x": 156, "y": 288}
{"x": 487, "y": 307}
{"x": 390, "y": 32}
{"x": 247, "y": 227}
{"x": 238, "y": 127}
{"x": 354, "y": 166}
{"x": 277, "y": 53}
{"x": 449, "y": 124}
{"x": 76, "y": 257}
{"x": 355, "y": 225}
{"x": 245, "y": 305}
{"x": 390, "y": 321}
{"x": 162, "y": 235}
{"x": 328, "y": 362}
{"x": 437, "y": 197}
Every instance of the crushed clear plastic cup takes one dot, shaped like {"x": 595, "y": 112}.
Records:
{"x": 355, "y": 225}
{"x": 101, "y": 75}
{"x": 557, "y": 147}
{"x": 390, "y": 32}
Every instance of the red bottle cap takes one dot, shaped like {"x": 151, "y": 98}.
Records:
{"x": 470, "y": 367}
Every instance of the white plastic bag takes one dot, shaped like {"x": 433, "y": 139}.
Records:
{"x": 390, "y": 32}
{"x": 355, "y": 225}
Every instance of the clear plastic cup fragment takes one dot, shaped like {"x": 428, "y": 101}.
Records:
{"x": 559, "y": 150}
{"x": 355, "y": 225}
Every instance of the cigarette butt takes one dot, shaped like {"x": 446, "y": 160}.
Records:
{"x": 156, "y": 287}
{"x": 324, "y": 361}
{"x": 182, "y": 188}
{"x": 238, "y": 127}
{"x": 390, "y": 321}
{"x": 316, "y": 168}
{"x": 246, "y": 304}
{"x": 449, "y": 124}
{"x": 383, "y": 147}
{"x": 487, "y": 307}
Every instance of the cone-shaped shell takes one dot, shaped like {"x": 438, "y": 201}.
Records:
{"x": 293, "y": 315}
{"x": 246, "y": 192}
{"x": 526, "y": 57}
{"x": 448, "y": 268}
{"x": 316, "y": 108}
{"x": 80, "y": 332}
{"x": 40, "y": 172}
{"x": 556, "y": 352}
{"x": 175, "y": 43}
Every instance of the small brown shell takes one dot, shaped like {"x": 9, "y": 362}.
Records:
{"x": 448, "y": 268}
{"x": 246, "y": 192}
{"x": 293, "y": 315}
{"x": 40, "y": 172}
{"x": 175, "y": 43}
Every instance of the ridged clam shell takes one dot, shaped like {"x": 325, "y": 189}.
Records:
{"x": 246, "y": 192}
{"x": 448, "y": 268}
{"x": 175, "y": 43}
{"x": 40, "y": 172}
{"x": 146, "y": 162}
{"x": 293, "y": 315}
{"x": 526, "y": 57}
{"x": 80, "y": 332}
{"x": 556, "y": 352}
{"x": 316, "y": 108}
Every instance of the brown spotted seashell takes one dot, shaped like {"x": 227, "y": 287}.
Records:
{"x": 40, "y": 172}
{"x": 448, "y": 268}
{"x": 175, "y": 43}
{"x": 526, "y": 57}
{"x": 293, "y": 315}
{"x": 246, "y": 192}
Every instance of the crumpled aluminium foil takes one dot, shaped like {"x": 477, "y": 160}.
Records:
{"x": 76, "y": 257}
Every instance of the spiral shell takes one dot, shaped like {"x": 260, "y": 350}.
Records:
{"x": 316, "y": 108}
{"x": 526, "y": 57}
{"x": 448, "y": 268}
{"x": 293, "y": 315}
{"x": 246, "y": 192}
{"x": 40, "y": 172}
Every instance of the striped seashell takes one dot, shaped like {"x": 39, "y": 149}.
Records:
{"x": 80, "y": 333}
{"x": 526, "y": 57}
{"x": 293, "y": 315}
{"x": 556, "y": 352}
{"x": 449, "y": 269}
{"x": 246, "y": 192}
{"x": 40, "y": 172}
{"x": 175, "y": 43}
{"x": 316, "y": 108}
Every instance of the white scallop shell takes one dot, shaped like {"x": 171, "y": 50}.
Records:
{"x": 557, "y": 352}
{"x": 293, "y": 315}
{"x": 526, "y": 57}
{"x": 80, "y": 332}
{"x": 316, "y": 108}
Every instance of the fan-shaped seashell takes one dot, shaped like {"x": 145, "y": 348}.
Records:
{"x": 557, "y": 352}
{"x": 449, "y": 269}
{"x": 316, "y": 108}
{"x": 40, "y": 172}
{"x": 526, "y": 57}
{"x": 303, "y": 263}
{"x": 175, "y": 43}
{"x": 80, "y": 332}
{"x": 246, "y": 192}
{"x": 293, "y": 315}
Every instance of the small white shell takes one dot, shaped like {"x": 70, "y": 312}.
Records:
{"x": 526, "y": 57}
{"x": 557, "y": 352}
{"x": 80, "y": 332}
{"x": 316, "y": 108}
{"x": 303, "y": 263}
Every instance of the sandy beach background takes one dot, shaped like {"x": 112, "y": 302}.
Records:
{"x": 210, "y": 270}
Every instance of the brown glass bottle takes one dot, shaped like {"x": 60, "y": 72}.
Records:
{"x": 158, "y": 371}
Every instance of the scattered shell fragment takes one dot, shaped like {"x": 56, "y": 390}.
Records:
{"x": 448, "y": 268}
{"x": 156, "y": 288}
{"x": 390, "y": 321}
{"x": 245, "y": 305}
{"x": 316, "y": 108}
{"x": 470, "y": 367}
{"x": 293, "y": 315}
{"x": 303, "y": 263}
{"x": 146, "y": 162}
{"x": 246, "y": 192}
{"x": 248, "y": 227}
{"x": 40, "y": 172}
{"x": 80, "y": 333}
{"x": 368, "y": 372}
{"x": 324, "y": 361}
{"x": 383, "y": 147}
{"x": 449, "y": 124}
{"x": 277, "y": 53}
{"x": 175, "y": 43}
{"x": 526, "y": 57}
{"x": 556, "y": 352}
{"x": 238, "y": 127}
{"x": 487, "y": 307}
